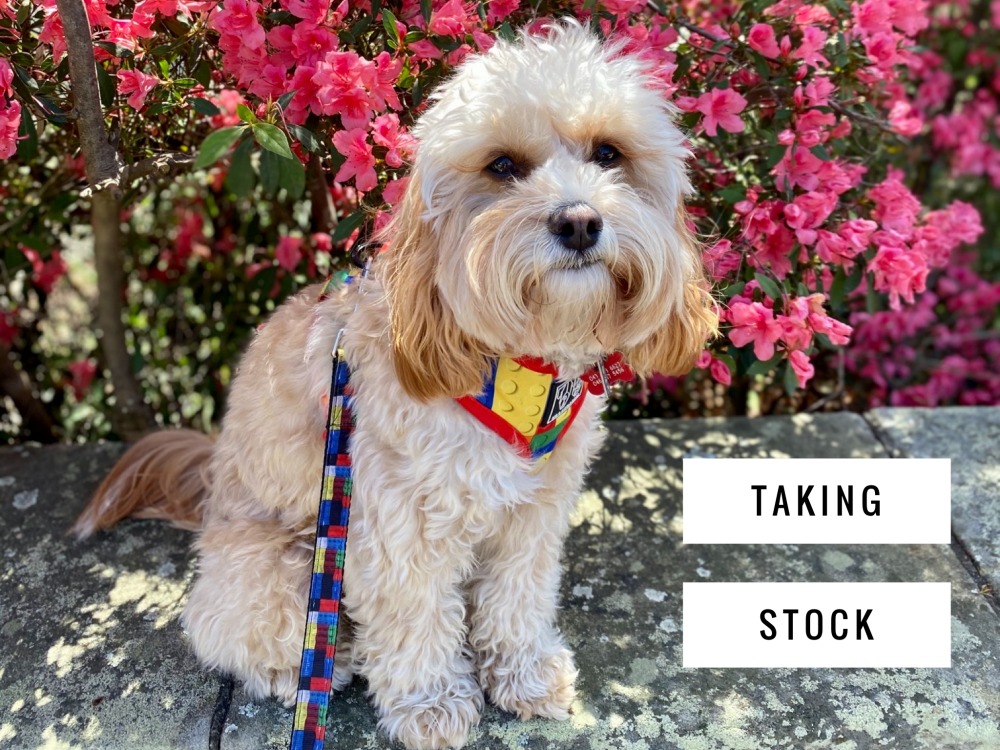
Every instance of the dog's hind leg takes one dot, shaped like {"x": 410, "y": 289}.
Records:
{"x": 246, "y": 613}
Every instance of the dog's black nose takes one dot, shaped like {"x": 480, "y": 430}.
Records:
{"x": 577, "y": 225}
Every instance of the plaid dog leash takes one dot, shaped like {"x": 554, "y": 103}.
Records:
{"x": 323, "y": 616}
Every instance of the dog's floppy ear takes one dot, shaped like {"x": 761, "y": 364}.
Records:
{"x": 432, "y": 356}
{"x": 674, "y": 348}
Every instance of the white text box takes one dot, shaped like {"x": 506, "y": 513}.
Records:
{"x": 817, "y": 500}
{"x": 899, "y": 625}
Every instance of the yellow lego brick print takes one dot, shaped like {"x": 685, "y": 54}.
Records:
{"x": 519, "y": 395}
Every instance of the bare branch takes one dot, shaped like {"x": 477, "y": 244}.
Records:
{"x": 35, "y": 420}
{"x": 131, "y": 415}
{"x": 160, "y": 165}
{"x": 858, "y": 117}
{"x": 695, "y": 29}
{"x": 324, "y": 214}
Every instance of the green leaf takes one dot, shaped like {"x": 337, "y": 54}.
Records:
{"x": 733, "y": 289}
{"x": 425, "y": 10}
{"x": 285, "y": 99}
{"x": 309, "y": 141}
{"x": 871, "y": 296}
{"x": 240, "y": 178}
{"x": 854, "y": 280}
{"x": 292, "y": 177}
{"x": 217, "y": 144}
{"x": 389, "y": 24}
{"x": 732, "y": 193}
{"x": 204, "y": 107}
{"x": 158, "y": 108}
{"x": 769, "y": 286}
{"x": 185, "y": 83}
{"x": 790, "y": 381}
{"x": 728, "y": 361}
{"x": 837, "y": 289}
{"x": 347, "y": 225}
{"x": 774, "y": 155}
{"x": 820, "y": 152}
{"x": 413, "y": 36}
{"x": 761, "y": 367}
{"x": 271, "y": 138}
{"x": 246, "y": 114}
{"x": 269, "y": 171}
{"x": 24, "y": 13}
{"x": 114, "y": 50}
{"x": 27, "y": 144}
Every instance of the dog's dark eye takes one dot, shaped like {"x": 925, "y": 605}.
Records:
{"x": 606, "y": 155}
{"x": 504, "y": 167}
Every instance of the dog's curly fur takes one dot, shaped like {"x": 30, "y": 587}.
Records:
{"x": 452, "y": 565}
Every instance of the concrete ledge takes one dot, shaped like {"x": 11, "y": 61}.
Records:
{"x": 93, "y": 657}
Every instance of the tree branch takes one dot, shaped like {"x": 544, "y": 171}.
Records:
{"x": 35, "y": 420}
{"x": 324, "y": 213}
{"x": 695, "y": 29}
{"x": 836, "y": 106}
{"x": 160, "y": 165}
{"x": 131, "y": 415}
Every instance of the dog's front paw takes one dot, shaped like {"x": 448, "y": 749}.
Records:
{"x": 532, "y": 684}
{"x": 434, "y": 720}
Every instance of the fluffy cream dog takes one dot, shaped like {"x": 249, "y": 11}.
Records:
{"x": 543, "y": 217}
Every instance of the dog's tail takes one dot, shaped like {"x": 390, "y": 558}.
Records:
{"x": 165, "y": 475}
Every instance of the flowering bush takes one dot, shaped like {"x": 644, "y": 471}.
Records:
{"x": 843, "y": 156}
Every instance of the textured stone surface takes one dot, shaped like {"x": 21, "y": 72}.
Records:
{"x": 93, "y": 657}
{"x": 971, "y": 439}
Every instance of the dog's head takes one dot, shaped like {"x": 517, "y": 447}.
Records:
{"x": 544, "y": 216}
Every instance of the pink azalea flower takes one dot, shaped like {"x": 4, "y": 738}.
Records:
{"x": 360, "y": 163}
{"x": 761, "y": 38}
{"x": 799, "y": 166}
{"x": 81, "y": 376}
{"x": 896, "y": 208}
{"x": 754, "y": 322}
{"x": 451, "y": 19}
{"x": 883, "y": 50}
{"x": 313, "y": 11}
{"x": 238, "y": 18}
{"x": 8, "y": 327}
{"x": 905, "y": 119}
{"x": 393, "y": 191}
{"x": 386, "y": 132}
{"x": 872, "y": 17}
{"x": 136, "y": 85}
{"x": 802, "y": 367}
{"x": 289, "y": 252}
{"x": 720, "y": 260}
{"x": 10, "y": 122}
{"x": 500, "y": 9}
{"x": 811, "y": 47}
{"x": 310, "y": 43}
{"x": 899, "y": 272}
{"x": 381, "y": 81}
{"x": 6, "y": 76}
{"x": 720, "y": 372}
{"x": 721, "y": 108}
{"x": 424, "y": 49}
{"x": 910, "y": 16}
{"x": 45, "y": 273}
{"x": 818, "y": 92}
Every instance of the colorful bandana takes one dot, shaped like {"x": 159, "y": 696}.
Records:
{"x": 524, "y": 402}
